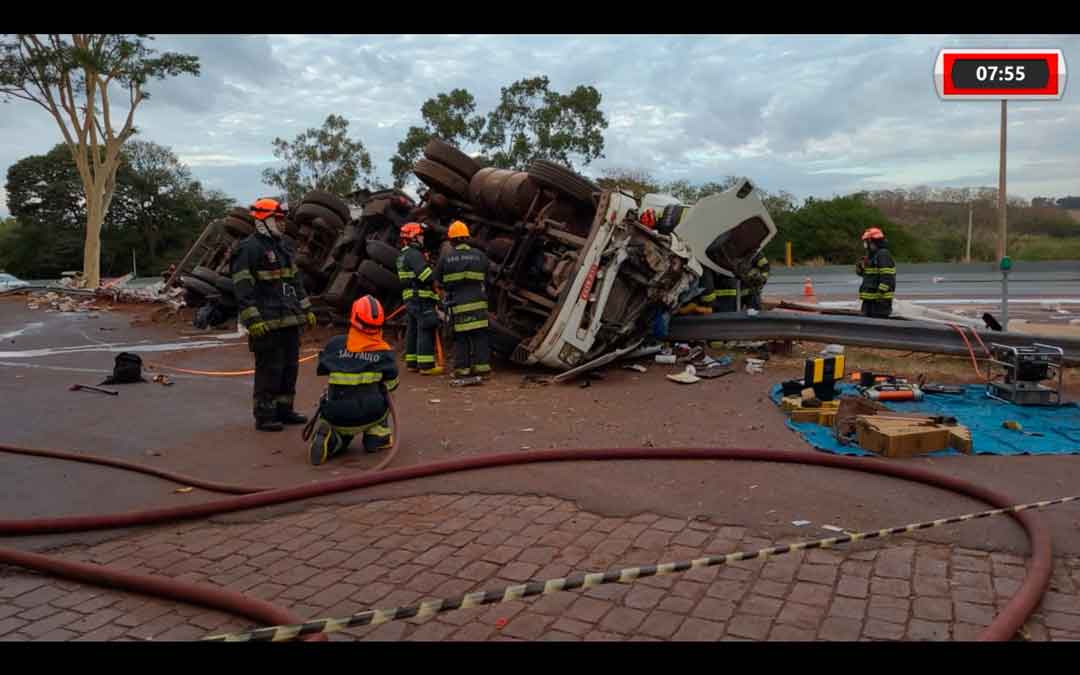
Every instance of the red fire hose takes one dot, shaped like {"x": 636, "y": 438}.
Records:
{"x": 1004, "y": 626}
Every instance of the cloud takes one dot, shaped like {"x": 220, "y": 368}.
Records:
{"x": 814, "y": 115}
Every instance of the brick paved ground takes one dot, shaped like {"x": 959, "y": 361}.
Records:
{"x": 339, "y": 560}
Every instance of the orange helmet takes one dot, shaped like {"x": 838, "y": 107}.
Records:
{"x": 458, "y": 229}
{"x": 265, "y": 207}
{"x": 367, "y": 313}
{"x": 873, "y": 233}
{"x": 410, "y": 231}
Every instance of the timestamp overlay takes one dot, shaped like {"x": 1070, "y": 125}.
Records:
{"x": 1000, "y": 74}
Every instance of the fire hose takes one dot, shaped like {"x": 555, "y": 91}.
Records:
{"x": 1003, "y": 627}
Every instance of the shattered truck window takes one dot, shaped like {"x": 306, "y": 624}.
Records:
{"x": 738, "y": 243}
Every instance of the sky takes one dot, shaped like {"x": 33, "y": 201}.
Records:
{"x": 813, "y": 115}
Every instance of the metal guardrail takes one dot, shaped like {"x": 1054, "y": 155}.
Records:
{"x": 917, "y": 336}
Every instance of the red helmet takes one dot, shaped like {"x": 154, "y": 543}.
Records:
{"x": 873, "y": 233}
{"x": 367, "y": 313}
{"x": 410, "y": 231}
{"x": 266, "y": 207}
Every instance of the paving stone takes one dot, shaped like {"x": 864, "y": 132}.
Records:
{"x": 966, "y": 632}
{"x": 609, "y": 592}
{"x": 662, "y": 624}
{"x": 12, "y": 587}
{"x": 788, "y": 633}
{"x": 894, "y": 563}
{"x": 898, "y": 588}
{"x": 690, "y": 538}
{"x": 972, "y": 580}
{"x": 519, "y": 571}
{"x": 818, "y": 574}
{"x": 853, "y": 586}
{"x": 928, "y": 630}
{"x": 527, "y": 625}
{"x": 681, "y": 605}
{"x": 883, "y": 630}
{"x": 39, "y": 612}
{"x": 926, "y": 585}
{"x": 837, "y": 629}
{"x": 856, "y": 568}
{"x": 887, "y": 608}
{"x": 539, "y": 555}
{"x": 811, "y": 594}
{"x": 40, "y": 596}
{"x": 689, "y": 589}
{"x": 978, "y": 615}
{"x": 976, "y": 596}
{"x": 571, "y": 626}
{"x": 1058, "y": 602}
{"x": 803, "y": 616}
{"x": 761, "y": 606}
{"x": 933, "y": 609}
{"x": 57, "y": 635}
{"x": 747, "y": 626}
{"x": 934, "y": 567}
{"x": 622, "y": 620}
{"x": 714, "y": 609}
{"x": 601, "y": 636}
{"x": 43, "y": 626}
{"x": 588, "y": 609}
{"x": 850, "y": 608}
{"x": 1009, "y": 571}
{"x": 1061, "y": 621}
{"x": 966, "y": 564}
{"x": 479, "y": 570}
{"x": 502, "y": 554}
{"x": 727, "y": 590}
{"x": 94, "y": 621}
{"x": 643, "y": 597}
{"x": 772, "y": 589}
{"x": 10, "y": 625}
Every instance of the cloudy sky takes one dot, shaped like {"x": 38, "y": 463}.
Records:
{"x": 814, "y": 115}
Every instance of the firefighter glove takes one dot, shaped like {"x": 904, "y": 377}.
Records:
{"x": 258, "y": 329}
{"x": 312, "y": 320}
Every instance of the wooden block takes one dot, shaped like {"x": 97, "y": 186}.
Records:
{"x": 960, "y": 439}
{"x": 808, "y": 415}
{"x": 789, "y": 403}
{"x": 896, "y": 439}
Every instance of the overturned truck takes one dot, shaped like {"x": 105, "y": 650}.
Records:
{"x": 575, "y": 273}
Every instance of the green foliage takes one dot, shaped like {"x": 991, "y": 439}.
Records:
{"x": 158, "y": 211}
{"x": 530, "y": 122}
{"x": 637, "y": 182}
{"x": 320, "y": 159}
{"x": 832, "y": 230}
{"x": 449, "y": 117}
{"x": 1042, "y": 247}
{"x": 533, "y": 122}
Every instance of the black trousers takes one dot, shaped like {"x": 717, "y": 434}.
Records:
{"x": 472, "y": 352}
{"x": 877, "y": 309}
{"x": 276, "y": 366}
{"x": 420, "y": 336}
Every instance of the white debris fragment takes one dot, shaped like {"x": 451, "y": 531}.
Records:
{"x": 832, "y": 349}
{"x": 800, "y": 523}
{"x": 832, "y": 528}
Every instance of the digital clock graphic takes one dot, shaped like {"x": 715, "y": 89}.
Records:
{"x": 997, "y": 74}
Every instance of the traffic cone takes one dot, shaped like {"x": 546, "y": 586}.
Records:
{"x": 808, "y": 290}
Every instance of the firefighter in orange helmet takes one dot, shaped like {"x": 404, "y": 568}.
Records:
{"x": 420, "y": 299}
{"x": 362, "y": 373}
{"x": 273, "y": 307}
{"x": 878, "y": 271}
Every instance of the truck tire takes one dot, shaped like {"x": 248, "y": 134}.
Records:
{"x": 241, "y": 213}
{"x": 309, "y": 211}
{"x": 561, "y": 178}
{"x": 378, "y": 276}
{"x": 515, "y": 197}
{"x": 328, "y": 200}
{"x": 438, "y": 150}
{"x": 384, "y": 254}
{"x": 218, "y": 281}
{"x": 237, "y": 228}
{"x": 476, "y": 184}
{"x": 441, "y": 179}
{"x": 199, "y": 286}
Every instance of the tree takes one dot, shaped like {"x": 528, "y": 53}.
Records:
{"x": 632, "y": 180}
{"x": 691, "y": 193}
{"x": 157, "y": 210}
{"x": 320, "y": 159}
{"x": 71, "y": 76}
{"x": 533, "y": 122}
{"x": 449, "y": 117}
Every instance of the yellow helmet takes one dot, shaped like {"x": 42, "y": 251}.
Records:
{"x": 458, "y": 229}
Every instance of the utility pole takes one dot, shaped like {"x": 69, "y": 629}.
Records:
{"x": 1002, "y": 226}
{"x": 967, "y": 253}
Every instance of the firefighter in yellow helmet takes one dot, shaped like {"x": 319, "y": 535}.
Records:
{"x": 273, "y": 307}
{"x": 462, "y": 271}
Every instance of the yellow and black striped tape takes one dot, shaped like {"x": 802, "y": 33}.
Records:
{"x": 516, "y": 592}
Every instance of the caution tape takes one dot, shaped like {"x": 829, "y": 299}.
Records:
{"x": 516, "y": 592}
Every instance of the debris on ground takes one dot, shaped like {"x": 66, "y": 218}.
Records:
{"x": 688, "y": 376}
{"x": 163, "y": 380}
{"x": 87, "y": 387}
{"x": 800, "y": 523}
{"x": 832, "y": 350}
{"x": 666, "y": 358}
{"x": 755, "y": 366}
{"x": 466, "y": 381}
{"x": 636, "y": 367}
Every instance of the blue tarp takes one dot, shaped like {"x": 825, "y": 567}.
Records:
{"x": 979, "y": 413}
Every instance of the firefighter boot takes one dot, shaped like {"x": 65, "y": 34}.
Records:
{"x": 286, "y": 415}
{"x": 267, "y": 424}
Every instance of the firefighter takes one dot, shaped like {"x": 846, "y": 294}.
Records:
{"x": 461, "y": 271}
{"x": 273, "y": 308}
{"x": 753, "y": 281}
{"x": 420, "y": 301}
{"x": 879, "y": 275}
{"x": 362, "y": 373}
{"x": 725, "y": 290}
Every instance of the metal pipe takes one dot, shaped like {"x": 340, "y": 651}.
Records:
{"x": 919, "y": 336}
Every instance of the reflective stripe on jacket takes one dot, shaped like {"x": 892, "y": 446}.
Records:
{"x": 462, "y": 271}
{"x": 267, "y": 283}
{"x": 415, "y": 275}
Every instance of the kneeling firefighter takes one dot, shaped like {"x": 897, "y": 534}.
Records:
{"x": 420, "y": 301}
{"x": 362, "y": 373}
{"x": 462, "y": 271}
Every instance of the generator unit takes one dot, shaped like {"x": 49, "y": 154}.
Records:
{"x": 1026, "y": 375}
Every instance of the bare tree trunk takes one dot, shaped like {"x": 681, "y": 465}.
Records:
{"x": 95, "y": 216}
